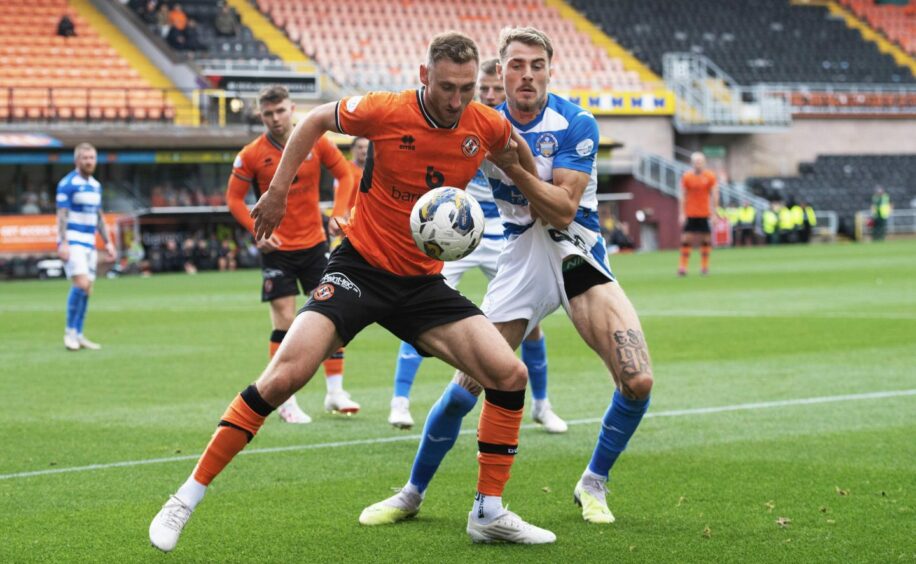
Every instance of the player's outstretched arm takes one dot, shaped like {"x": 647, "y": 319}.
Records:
{"x": 270, "y": 208}
{"x": 555, "y": 203}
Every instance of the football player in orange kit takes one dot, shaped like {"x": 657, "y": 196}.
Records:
{"x": 699, "y": 196}
{"x": 296, "y": 253}
{"x": 422, "y": 139}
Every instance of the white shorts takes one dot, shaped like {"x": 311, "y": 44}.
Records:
{"x": 82, "y": 261}
{"x": 529, "y": 279}
{"x": 485, "y": 257}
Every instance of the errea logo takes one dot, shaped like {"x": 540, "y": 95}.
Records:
{"x": 407, "y": 143}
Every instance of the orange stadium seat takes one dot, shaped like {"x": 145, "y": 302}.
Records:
{"x": 370, "y": 40}
{"x": 896, "y": 22}
{"x": 45, "y": 76}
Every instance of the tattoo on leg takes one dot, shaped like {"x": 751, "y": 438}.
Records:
{"x": 632, "y": 354}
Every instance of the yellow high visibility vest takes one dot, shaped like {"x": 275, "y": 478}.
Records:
{"x": 812, "y": 218}
{"x": 747, "y": 214}
{"x": 769, "y": 222}
{"x": 786, "y": 222}
{"x": 798, "y": 215}
{"x": 881, "y": 205}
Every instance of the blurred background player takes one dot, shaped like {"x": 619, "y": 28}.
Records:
{"x": 79, "y": 215}
{"x": 555, "y": 256}
{"x": 699, "y": 196}
{"x": 534, "y": 351}
{"x": 378, "y": 275}
{"x": 359, "y": 153}
{"x": 297, "y": 252}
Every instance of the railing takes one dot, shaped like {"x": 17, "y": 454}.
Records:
{"x": 900, "y": 222}
{"x": 26, "y": 106}
{"x": 665, "y": 175}
{"x": 708, "y": 99}
{"x": 839, "y": 99}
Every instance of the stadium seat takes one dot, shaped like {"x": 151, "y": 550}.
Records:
{"x": 754, "y": 42}
{"x": 371, "y": 37}
{"x": 896, "y": 22}
{"x": 52, "y": 77}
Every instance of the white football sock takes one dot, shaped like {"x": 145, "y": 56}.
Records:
{"x": 191, "y": 492}
{"x": 487, "y": 508}
{"x": 334, "y": 383}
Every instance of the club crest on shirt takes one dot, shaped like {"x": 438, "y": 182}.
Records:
{"x": 470, "y": 146}
{"x": 546, "y": 144}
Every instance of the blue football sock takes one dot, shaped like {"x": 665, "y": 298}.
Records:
{"x": 81, "y": 313}
{"x": 406, "y": 369}
{"x": 440, "y": 432}
{"x": 620, "y": 422}
{"x": 74, "y": 304}
{"x": 534, "y": 355}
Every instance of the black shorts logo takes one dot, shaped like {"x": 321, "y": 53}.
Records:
{"x": 323, "y": 292}
{"x": 340, "y": 280}
{"x": 268, "y": 286}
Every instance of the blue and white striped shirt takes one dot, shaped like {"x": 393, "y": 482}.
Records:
{"x": 83, "y": 197}
{"x": 563, "y": 135}
{"x": 480, "y": 189}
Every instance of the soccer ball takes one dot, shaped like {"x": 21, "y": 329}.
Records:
{"x": 447, "y": 223}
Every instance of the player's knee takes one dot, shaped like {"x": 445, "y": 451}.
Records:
{"x": 516, "y": 377}
{"x": 639, "y": 387}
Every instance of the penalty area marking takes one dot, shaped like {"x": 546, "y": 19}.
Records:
{"x": 402, "y": 438}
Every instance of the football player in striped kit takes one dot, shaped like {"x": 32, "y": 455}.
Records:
{"x": 79, "y": 216}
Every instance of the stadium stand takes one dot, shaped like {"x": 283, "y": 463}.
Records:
{"x": 207, "y": 42}
{"x": 48, "y": 77}
{"x": 371, "y": 45}
{"x": 897, "y": 22}
{"x": 754, "y": 42}
{"x": 844, "y": 183}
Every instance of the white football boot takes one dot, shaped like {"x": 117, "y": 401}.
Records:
{"x": 168, "y": 523}
{"x": 290, "y": 412}
{"x": 87, "y": 344}
{"x": 340, "y": 402}
{"x": 71, "y": 343}
{"x": 399, "y": 507}
{"x": 543, "y": 414}
{"x": 400, "y": 413}
{"x": 508, "y": 527}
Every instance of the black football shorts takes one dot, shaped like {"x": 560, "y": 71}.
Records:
{"x": 282, "y": 270}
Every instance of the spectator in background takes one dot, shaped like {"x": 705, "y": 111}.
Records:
{"x": 65, "y": 27}
{"x": 192, "y": 36}
{"x": 30, "y": 203}
{"x": 227, "y": 253}
{"x": 162, "y": 20}
{"x": 177, "y": 18}
{"x": 880, "y": 211}
{"x": 808, "y": 223}
{"x": 173, "y": 259}
{"x": 769, "y": 223}
{"x": 225, "y": 21}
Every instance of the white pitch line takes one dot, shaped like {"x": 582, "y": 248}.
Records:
{"x": 402, "y": 438}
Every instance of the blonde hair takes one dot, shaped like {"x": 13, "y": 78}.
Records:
{"x": 80, "y": 148}
{"x": 454, "y": 46}
{"x": 528, "y": 35}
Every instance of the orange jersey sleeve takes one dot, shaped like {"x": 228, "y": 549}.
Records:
{"x": 240, "y": 181}
{"x": 410, "y": 155}
{"x": 697, "y": 190}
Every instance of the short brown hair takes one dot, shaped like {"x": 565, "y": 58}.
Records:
{"x": 528, "y": 35}
{"x": 273, "y": 94}
{"x": 80, "y": 148}
{"x": 454, "y": 46}
{"x": 488, "y": 67}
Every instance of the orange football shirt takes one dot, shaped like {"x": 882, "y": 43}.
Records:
{"x": 255, "y": 166}
{"x": 410, "y": 155}
{"x": 697, "y": 189}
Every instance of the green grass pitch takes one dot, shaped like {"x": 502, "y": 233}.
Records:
{"x": 763, "y": 477}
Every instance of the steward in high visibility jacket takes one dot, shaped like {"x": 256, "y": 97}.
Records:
{"x": 809, "y": 220}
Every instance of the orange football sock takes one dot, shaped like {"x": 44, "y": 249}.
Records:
{"x": 497, "y": 439}
{"x": 705, "y": 251}
{"x": 240, "y": 423}
{"x": 276, "y": 337}
{"x": 685, "y": 257}
{"x": 334, "y": 366}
